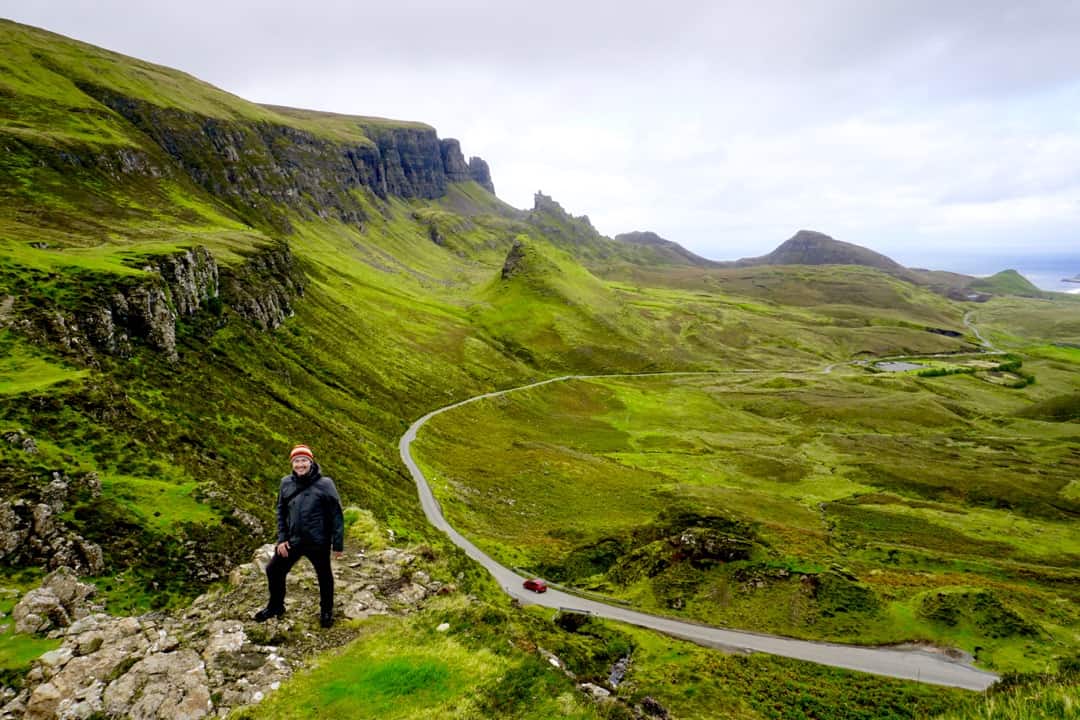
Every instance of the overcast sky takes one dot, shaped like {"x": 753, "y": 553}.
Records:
{"x": 923, "y": 130}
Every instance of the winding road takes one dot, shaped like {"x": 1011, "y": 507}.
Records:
{"x": 908, "y": 664}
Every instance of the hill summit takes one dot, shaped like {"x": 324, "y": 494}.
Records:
{"x": 808, "y": 247}
{"x": 666, "y": 249}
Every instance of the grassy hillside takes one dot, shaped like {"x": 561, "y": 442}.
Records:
{"x": 1006, "y": 282}
{"x": 860, "y": 508}
{"x": 341, "y": 312}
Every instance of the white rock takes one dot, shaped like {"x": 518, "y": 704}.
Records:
{"x": 443, "y": 627}
{"x": 56, "y": 658}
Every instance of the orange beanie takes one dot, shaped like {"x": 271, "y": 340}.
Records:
{"x": 301, "y": 450}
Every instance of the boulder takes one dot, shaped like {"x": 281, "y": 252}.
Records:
{"x": 165, "y": 686}
{"x": 595, "y": 691}
{"x": 39, "y": 611}
{"x": 60, "y": 599}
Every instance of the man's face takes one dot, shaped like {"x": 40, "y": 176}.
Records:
{"x": 301, "y": 464}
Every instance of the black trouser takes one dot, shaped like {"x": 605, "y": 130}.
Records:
{"x": 279, "y": 567}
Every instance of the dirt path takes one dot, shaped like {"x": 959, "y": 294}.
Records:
{"x": 908, "y": 664}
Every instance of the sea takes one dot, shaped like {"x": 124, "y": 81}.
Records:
{"x": 1046, "y": 272}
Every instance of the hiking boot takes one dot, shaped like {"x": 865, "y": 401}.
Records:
{"x": 326, "y": 619}
{"x": 268, "y": 612}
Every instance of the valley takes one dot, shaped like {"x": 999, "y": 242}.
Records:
{"x": 190, "y": 283}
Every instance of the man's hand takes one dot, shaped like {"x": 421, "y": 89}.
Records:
{"x": 338, "y": 554}
{"x": 283, "y": 549}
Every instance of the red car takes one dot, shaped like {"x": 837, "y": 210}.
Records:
{"x": 536, "y": 585}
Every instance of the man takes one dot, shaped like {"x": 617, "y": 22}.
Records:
{"x": 310, "y": 523}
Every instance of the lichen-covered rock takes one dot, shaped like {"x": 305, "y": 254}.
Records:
{"x": 39, "y": 611}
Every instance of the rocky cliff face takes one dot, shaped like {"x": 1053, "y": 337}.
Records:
{"x": 176, "y": 287}
{"x": 481, "y": 173}
{"x": 262, "y": 168}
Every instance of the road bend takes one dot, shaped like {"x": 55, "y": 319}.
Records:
{"x": 908, "y": 664}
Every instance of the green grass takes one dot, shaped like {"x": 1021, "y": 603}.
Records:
{"x": 158, "y": 504}
{"x": 1007, "y": 282}
{"x": 694, "y": 682}
{"x": 23, "y": 371}
{"x": 824, "y": 470}
{"x": 1024, "y": 697}
{"x": 402, "y": 668}
{"x": 907, "y": 484}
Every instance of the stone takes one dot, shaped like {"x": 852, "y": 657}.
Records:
{"x": 57, "y": 658}
{"x": 16, "y": 707}
{"x": 169, "y": 686}
{"x": 453, "y": 161}
{"x": 43, "y": 520}
{"x": 443, "y": 627}
{"x": 65, "y": 583}
{"x": 39, "y": 611}
{"x": 13, "y": 532}
{"x": 226, "y": 637}
{"x": 595, "y": 691}
{"x": 410, "y": 594}
{"x": 89, "y": 642}
{"x": 43, "y": 702}
{"x": 515, "y": 260}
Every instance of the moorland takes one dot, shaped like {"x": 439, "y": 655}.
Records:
{"x": 190, "y": 283}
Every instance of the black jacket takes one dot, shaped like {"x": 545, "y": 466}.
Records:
{"x": 309, "y": 511}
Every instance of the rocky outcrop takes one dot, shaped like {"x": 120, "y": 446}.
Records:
{"x": 32, "y": 531}
{"x": 115, "y": 161}
{"x": 176, "y": 287}
{"x": 481, "y": 174}
{"x": 211, "y": 657}
{"x": 147, "y": 308}
{"x": 59, "y": 600}
{"x": 453, "y": 161}
{"x": 704, "y": 546}
{"x": 515, "y": 260}
{"x": 263, "y": 288}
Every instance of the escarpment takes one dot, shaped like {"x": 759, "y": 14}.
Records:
{"x": 111, "y": 317}
{"x": 262, "y": 169}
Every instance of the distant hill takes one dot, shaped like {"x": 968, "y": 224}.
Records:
{"x": 808, "y": 247}
{"x": 673, "y": 251}
{"x": 1006, "y": 282}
